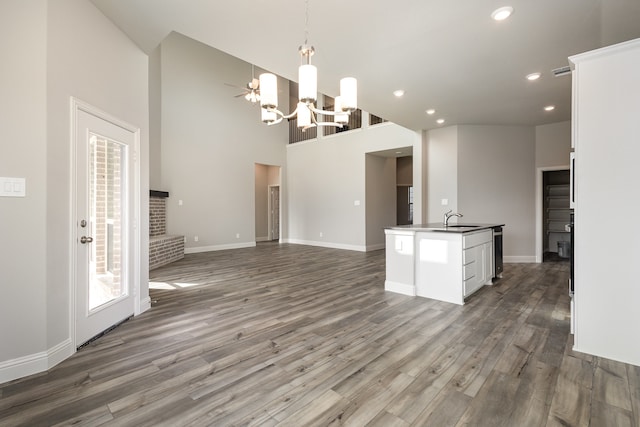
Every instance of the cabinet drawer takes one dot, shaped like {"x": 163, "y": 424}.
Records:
{"x": 468, "y": 256}
{"x": 470, "y": 286}
{"x": 469, "y": 271}
{"x": 475, "y": 239}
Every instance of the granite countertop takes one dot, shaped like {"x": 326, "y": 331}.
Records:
{"x": 439, "y": 227}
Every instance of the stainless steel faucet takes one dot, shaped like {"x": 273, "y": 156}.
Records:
{"x": 448, "y": 215}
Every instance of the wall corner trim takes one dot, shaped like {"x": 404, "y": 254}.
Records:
{"x": 35, "y": 363}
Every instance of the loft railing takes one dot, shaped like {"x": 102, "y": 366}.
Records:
{"x": 296, "y": 134}
{"x": 355, "y": 122}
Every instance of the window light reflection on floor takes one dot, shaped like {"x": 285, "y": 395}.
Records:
{"x": 171, "y": 286}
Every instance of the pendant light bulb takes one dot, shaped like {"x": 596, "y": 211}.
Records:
{"x": 308, "y": 83}
{"x": 268, "y": 90}
{"x": 349, "y": 93}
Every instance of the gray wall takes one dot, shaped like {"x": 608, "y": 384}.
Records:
{"x": 23, "y": 139}
{"x": 155, "y": 119}
{"x": 210, "y": 144}
{"x": 441, "y": 172}
{"x": 404, "y": 170}
{"x": 487, "y": 173}
{"x": 380, "y": 198}
{"x": 553, "y": 144}
{"x": 496, "y": 183}
{"x": 327, "y": 177}
{"x": 54, "y": 50}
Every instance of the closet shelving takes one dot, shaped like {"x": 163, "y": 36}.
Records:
{"x": 557, "y": 214}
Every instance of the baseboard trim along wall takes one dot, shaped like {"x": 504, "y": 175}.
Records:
{"x": 35, "y": 363}
{"x": 375, "y": 247}
{"x": 199, "y": 249}
{"x": 399, "y": 288}
{"x": 520, "y": 259}
{"x": 327, "y": 245}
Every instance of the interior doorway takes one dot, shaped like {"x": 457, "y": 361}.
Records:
{"x": 553, "y": 214}
{"x": 404, "y": 190}
{"x": 267, "y": 202}
{"x": 404, "y": 205}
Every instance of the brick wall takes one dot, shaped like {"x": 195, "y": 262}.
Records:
{"x": 157, "y": 216}
{"x": 105, "y": 191}
{"x": 163, "y": 248}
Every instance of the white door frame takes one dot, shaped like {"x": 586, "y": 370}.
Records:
{"x": 539, "y": 206}
{"x": 134, "y": 257}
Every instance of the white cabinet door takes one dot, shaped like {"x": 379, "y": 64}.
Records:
{"x": 489, "y": 263}
{"x": 478, "y": 267}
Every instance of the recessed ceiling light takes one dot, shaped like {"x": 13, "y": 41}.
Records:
{"x": 533, "y": 76}
{"x": 549, "y": 108}
{"x": 440, "y": 121}
{"x": 502, "y": 13}
{"x": 431, "y": 111}
{"x": 398, "y": 93}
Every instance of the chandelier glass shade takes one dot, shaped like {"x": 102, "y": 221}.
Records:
{"x": 306, "y": 111}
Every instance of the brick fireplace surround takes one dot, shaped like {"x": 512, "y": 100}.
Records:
{"x": 163, "y": 248}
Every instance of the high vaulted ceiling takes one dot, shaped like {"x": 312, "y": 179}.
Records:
{"x": 445, "y": 54}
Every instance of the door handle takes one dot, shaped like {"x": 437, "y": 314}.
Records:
{"x": 85, "y": 239}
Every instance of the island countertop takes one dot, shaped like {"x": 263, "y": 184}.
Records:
{"x": 440, "y": 227}
{"x": 443, "y": 263}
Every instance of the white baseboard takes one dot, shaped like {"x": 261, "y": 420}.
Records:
{"x": 327, "y": 245}
{"x": 199, "y": 249}
{"x": 263, "y": 239}
{"x": 376, "y": 247}
{"x": 399, "y": 288}
{"x": 35, "y": 363}
{"x": 519, "y": 259}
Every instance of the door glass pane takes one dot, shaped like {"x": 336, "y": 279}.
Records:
{"x": 106, "y": 167}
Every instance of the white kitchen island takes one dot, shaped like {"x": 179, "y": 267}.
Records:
{"x": 443, "y": 263}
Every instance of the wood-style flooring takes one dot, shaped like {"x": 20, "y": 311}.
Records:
{"x": 295, "y": 335}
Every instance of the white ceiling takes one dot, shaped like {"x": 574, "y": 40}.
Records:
{"x": 446, "y": 54}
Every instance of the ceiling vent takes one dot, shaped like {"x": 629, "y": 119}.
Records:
{"x": 561, "y": 71}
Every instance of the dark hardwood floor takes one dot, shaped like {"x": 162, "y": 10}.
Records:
{"x": 302, "y": 336}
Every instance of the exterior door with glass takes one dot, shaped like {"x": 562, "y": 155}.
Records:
{"x": 103, "y": 288}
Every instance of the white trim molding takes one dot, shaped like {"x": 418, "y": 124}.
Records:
{"x": 399, "y": 288}
{"x": 35, "y": 363}
{"x": 520, "y": 259}
{"x": 357, "y": 248}
{"x": 199, "y": 249}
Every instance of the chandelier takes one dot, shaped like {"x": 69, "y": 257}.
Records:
{"x": 306, "y": 111}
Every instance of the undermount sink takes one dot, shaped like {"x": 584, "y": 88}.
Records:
{"x": 461, "y": 226}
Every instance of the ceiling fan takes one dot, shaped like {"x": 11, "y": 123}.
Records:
{"x": 251, "y": 90}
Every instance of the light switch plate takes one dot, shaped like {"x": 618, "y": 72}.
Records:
{"x": 445, "y": 202}
{"x": 13, "y": 187}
